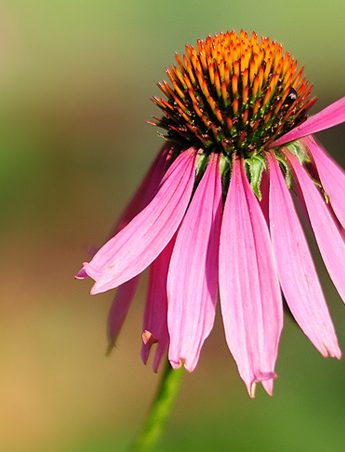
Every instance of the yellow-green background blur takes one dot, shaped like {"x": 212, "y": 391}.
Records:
{"x": 75, "y": 81}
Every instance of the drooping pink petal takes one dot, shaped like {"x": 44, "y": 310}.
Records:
{"x": 331, "y": 175}
{"x": 155, "y": 328}
{"x": 193, "y": 272}
{"x": 249, "y": 290}
{"x": 327, "y": 234}
{"x": 125, "y": 293}
{"x": 119, "y": 309}
{"x": 297, "y": 274}
{"x": 141, "y": 241}
{"x": 144, "y": 194}
{"x": 330, "y": 116}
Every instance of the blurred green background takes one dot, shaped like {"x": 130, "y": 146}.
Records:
{"x": 75, "y": 82}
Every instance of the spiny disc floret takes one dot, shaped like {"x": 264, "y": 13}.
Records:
{"x": 232, "y": 94}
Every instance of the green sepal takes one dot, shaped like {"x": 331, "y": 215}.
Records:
{"x": 200, "y": 165}
{"x": 225, "y": 171}
{"x": 321, "y": 189}
{"x": 286, "y": 169}
{"x": 255, "y": 167}
{"x": 298, "y": 150}
{"x": 325, "y": 195}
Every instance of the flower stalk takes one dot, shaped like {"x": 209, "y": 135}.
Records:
{"x": 160, "y": 411}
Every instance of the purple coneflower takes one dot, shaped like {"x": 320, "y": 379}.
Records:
{"x": 215, "y": 212}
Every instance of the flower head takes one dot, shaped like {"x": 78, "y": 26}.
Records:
{"x": 215, "y": 212}
{"x": 233, "y": 94}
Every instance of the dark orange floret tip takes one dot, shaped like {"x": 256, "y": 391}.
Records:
{"x": 233, "y": 93}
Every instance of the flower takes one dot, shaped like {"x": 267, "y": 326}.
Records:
{"x": 215, "y": 212}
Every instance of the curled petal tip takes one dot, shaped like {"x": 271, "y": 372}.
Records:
{"x": 147, "y": 337}
{"x": 81, "y": 273}
{"x": 266, "y": 378}
{"x": 252, "y": 390}
{"x": 177, "y": 364}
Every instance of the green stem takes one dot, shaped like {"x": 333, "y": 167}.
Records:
{"x": 160, "y": 410}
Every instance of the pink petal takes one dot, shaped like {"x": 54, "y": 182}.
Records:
{"x": 193, "y": 272}
{"x": 331, "y": 175}
{"x": 249, "y": 290}
{"x": 330, "y": 116}
{"x": 327, "y": 234}
{"x": 296, "y": 269}
{"x": 155, "y": 328}
{"x": 119, "y": 309}
{"x": 144, "y": 194}
{"x": 141, "y": 241}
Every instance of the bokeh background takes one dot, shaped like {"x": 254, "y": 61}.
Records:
{"x": 75, "y": 81}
